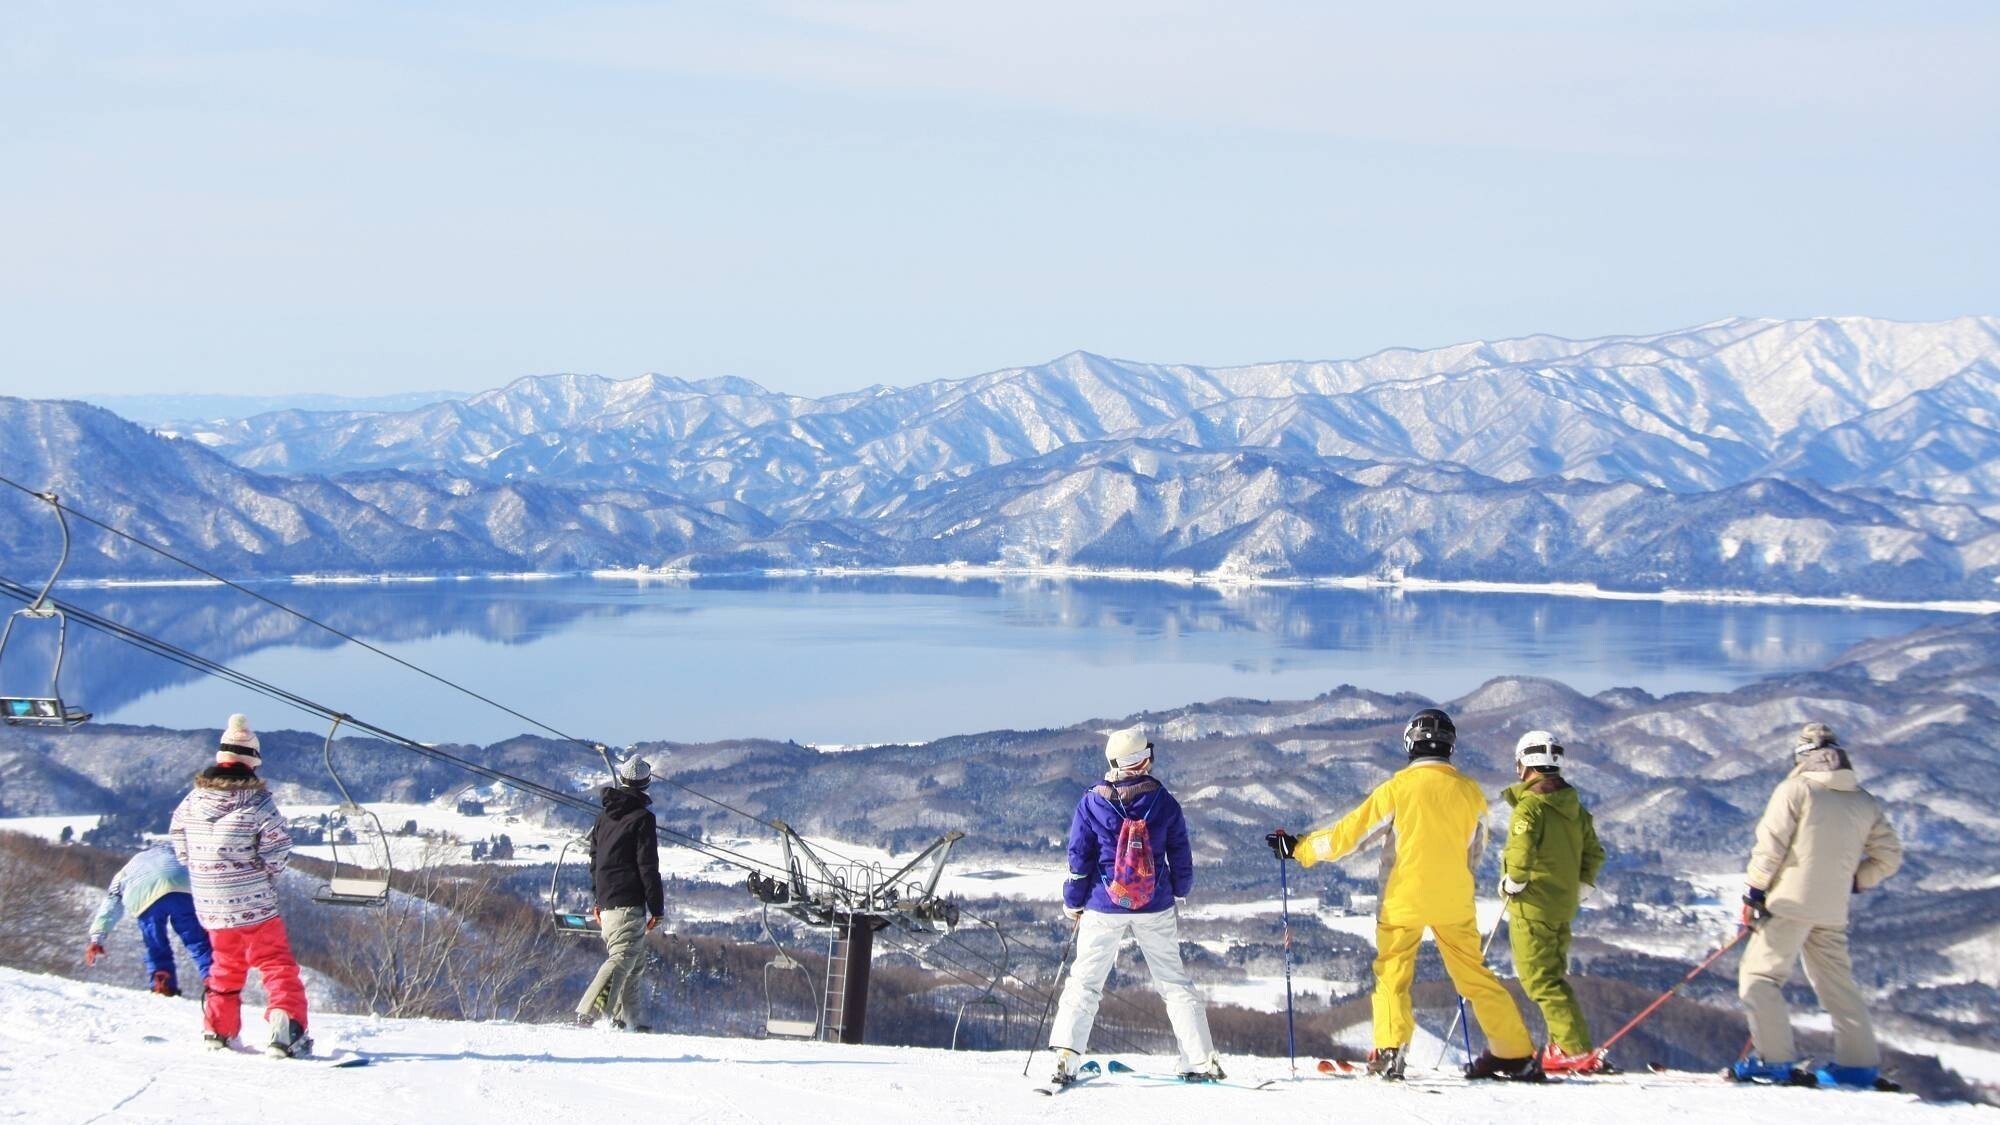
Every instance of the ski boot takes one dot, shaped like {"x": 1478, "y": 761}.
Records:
{"x": 163, "y": 983}
{"x": 213, "y": 1041}
{"x": 1750, "y": 1068}
{"x": 1528, "y": 1068}
{"x": 1555, "y": 1060}
{"x": 1065, "y": 1068}
{"x": 1209, "y": 1070}
{"x": 288, "y": 1038}
{"x": 1855, "y": 1078}
{"x": 586, "y": 1019}
{"x": 1387, "y": 1063}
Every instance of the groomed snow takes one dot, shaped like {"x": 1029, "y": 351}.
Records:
{"x": 74, "y": 1053}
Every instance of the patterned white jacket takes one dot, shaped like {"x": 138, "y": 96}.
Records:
{"x": 231, "y": 836}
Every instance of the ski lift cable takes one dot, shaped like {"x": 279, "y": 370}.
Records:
{"x": 201, "y": 664}
{"x": 204, "y": 665}
{"x": 50, "y": 498}
{"x": 350, "y": 638}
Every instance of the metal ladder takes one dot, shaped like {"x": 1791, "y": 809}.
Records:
{"x": 836, "y": 987}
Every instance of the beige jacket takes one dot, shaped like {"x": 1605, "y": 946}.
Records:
{"x": 1822, "y": 837}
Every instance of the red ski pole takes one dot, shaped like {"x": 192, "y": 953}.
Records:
{"x": 1605, "y": 1047}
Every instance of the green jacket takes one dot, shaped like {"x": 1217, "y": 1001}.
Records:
{"x": 1551, "y": 846}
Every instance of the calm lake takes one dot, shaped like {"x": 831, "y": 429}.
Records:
{"x": 860, "y": 660}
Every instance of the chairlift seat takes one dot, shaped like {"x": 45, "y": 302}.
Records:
{"x": 790, "y": 1029}
{"x": 348, "y": 891}
{"x": 574, "y": 922}
{"x": 40, "y": 711}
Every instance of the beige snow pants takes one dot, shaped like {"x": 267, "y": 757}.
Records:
{"x": 614, "y": 991}
{"x": 1768, "y": 958}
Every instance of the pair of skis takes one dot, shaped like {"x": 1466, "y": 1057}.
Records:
{"x": 1090, "y": 1071}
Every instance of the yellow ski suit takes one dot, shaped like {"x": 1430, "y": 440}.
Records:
{"x": 1434, "y": 817}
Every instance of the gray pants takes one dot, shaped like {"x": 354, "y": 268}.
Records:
{"x": 1768, "y": 960}
{"x": 614, "y": 991}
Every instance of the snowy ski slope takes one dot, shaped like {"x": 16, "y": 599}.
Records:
{"x": 72, "y": 1053}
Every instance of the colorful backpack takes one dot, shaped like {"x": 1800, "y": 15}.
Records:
{"x": 1132, "y": 879}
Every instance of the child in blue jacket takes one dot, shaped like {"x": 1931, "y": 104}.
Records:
{"x": 153, "y": 886}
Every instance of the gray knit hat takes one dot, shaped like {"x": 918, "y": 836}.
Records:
{"x": 635, "y": 772}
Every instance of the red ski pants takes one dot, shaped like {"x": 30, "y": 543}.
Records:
{"x": 265, "y": 948}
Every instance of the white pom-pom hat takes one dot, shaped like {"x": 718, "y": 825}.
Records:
{"x": 239, "y": 744}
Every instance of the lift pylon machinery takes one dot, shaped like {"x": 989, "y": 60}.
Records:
{"x": 353, "y": 884}
{"x": 851, "y": 902}
{"x": 43, "y": 710}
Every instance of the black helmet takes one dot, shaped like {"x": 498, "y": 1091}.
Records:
{"x": 1430, "y": 734}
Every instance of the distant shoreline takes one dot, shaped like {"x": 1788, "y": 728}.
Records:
{"x": 1186, "y": 578}
{"x": 969, "y": 571}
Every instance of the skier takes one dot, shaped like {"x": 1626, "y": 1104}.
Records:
{"x": 1822, "y": 839}
{"x": 1549, "y": 864}
{"x": 1434, "y": 817}
{"x": 154, "y": 886}
{"x": 1130, "y": 868}
{"x": 625, "y": 872}
{"x": 229, "y": 833}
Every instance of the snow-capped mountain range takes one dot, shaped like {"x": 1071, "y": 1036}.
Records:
{"x": 1826, "y": 456}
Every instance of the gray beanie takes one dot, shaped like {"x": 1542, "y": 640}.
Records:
{"x": 635, "y": 772}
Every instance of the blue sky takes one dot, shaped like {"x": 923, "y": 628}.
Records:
{"x": 370, "y": 197}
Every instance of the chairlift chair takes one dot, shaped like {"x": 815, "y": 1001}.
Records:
{"x": 43, "y": 710}
{"x": 568, "y": 920}
{"x": 344, "y": 887}
{"x": 781, "y": 1027}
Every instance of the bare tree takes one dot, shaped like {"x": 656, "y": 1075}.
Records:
{"x": 46, "y": 896}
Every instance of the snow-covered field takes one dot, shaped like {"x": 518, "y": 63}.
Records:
{"x": 73, "y": 1053}
{"x": 50, "y": 828}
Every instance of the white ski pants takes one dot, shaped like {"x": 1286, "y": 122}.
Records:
{"x": 1773, "y": 950}
{"x": 1098, "y": 937}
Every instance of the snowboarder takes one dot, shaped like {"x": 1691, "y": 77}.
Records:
{"x": 153, "y": 885}
{"x": 1549, "y": 865}
{"x": 1822, "y": 840}
{"x": 1130, "y": 869}
{"x": 229, "y": 833}
{"x": 625, "y": 872}
{"x": 1434, "y": 818}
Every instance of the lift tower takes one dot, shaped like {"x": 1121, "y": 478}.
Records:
{"x": 851, "y": 901}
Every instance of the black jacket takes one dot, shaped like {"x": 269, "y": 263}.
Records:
{"x": 625, "y": 853}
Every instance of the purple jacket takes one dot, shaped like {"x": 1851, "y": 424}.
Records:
{"x": 1093, "y": 841}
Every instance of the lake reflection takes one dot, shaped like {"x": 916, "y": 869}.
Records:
{"x": 844, "y": 660}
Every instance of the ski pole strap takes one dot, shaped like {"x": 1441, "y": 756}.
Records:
{"x": 1741, "y": 933}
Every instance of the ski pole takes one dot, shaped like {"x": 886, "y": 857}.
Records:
{"x": 1285, "y": 911}
{"x": 1465, "y": 1029}
{"x": 1062, "y": 964}
{"x": 1605, "y": 1046}
{"x": 1460, "y": 1017}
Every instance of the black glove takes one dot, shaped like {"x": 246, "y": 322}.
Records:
{"x": 1755, "y": 913}
{"x": 1283, "y": 843}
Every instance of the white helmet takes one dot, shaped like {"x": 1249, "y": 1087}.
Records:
{"x": 1125, "y": 749}
{"x": 1538, "y": 749}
